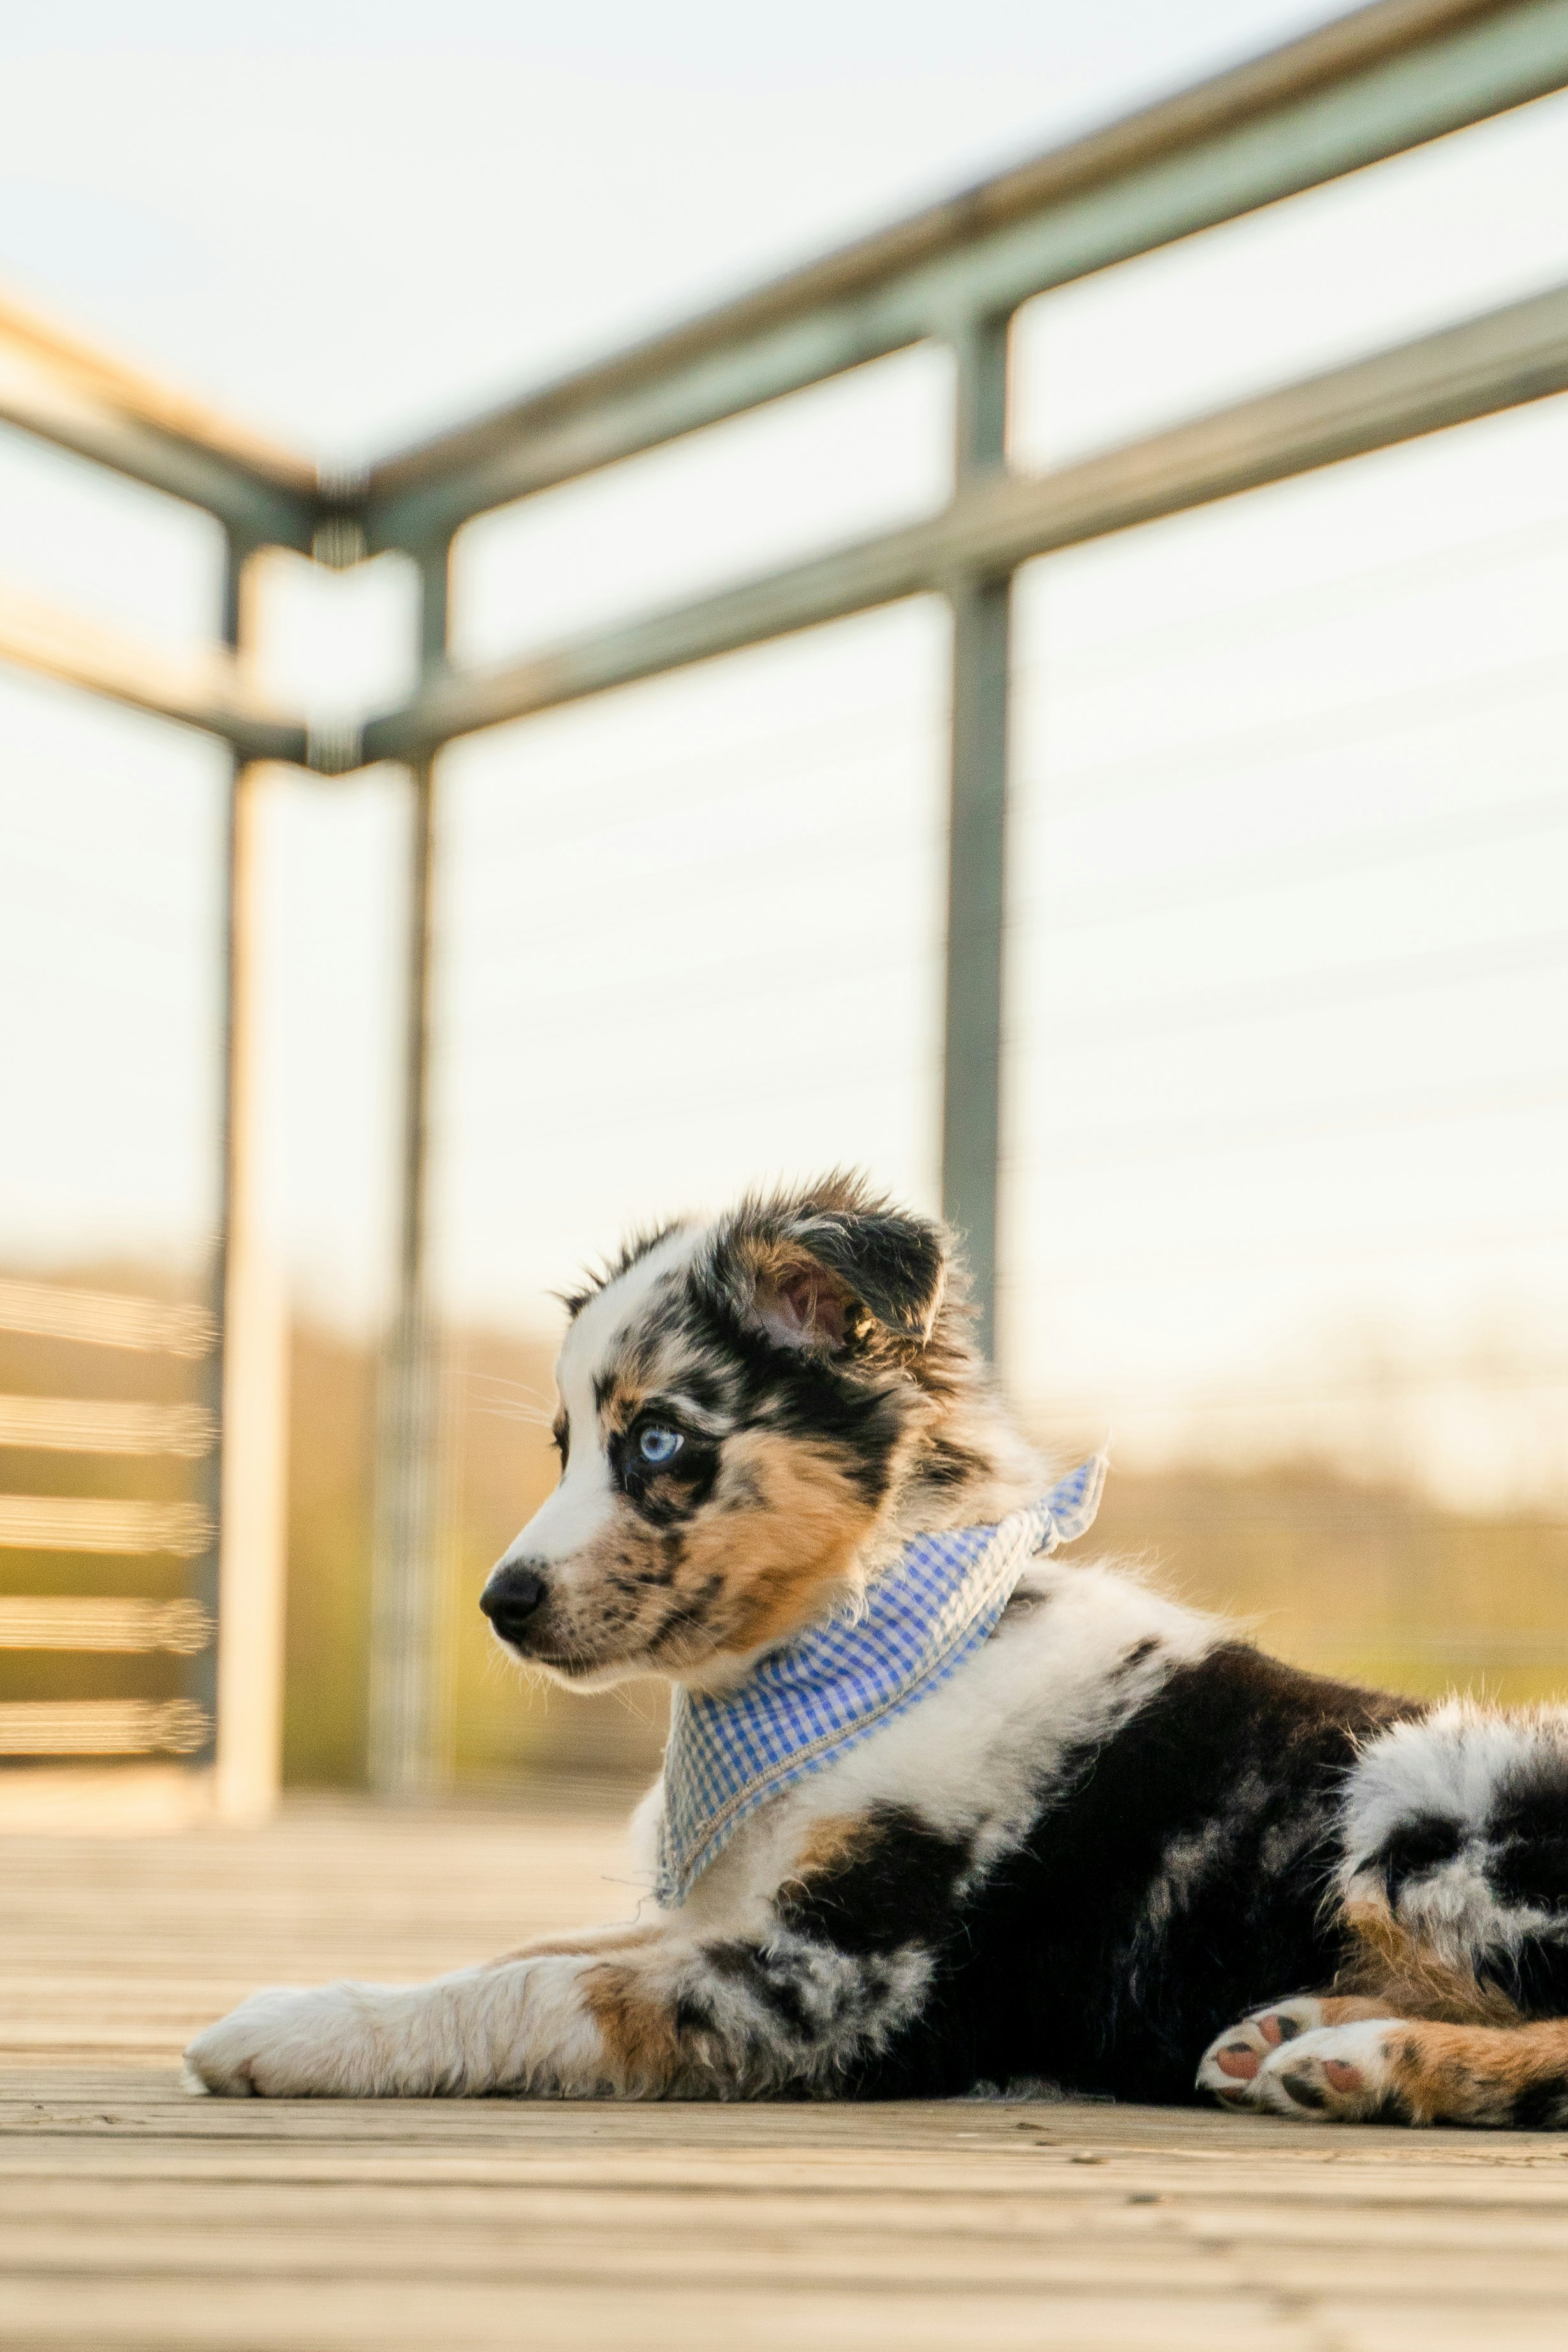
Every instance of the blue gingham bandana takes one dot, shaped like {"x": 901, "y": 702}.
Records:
{"x": 809, "y": 1702}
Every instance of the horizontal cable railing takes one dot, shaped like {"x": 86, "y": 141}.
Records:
{"x": 1509, "y": 356}
{"x": 1370, "y": 86}
{"x": 1367, "y": 87}
{"x": 1360, "y": 90}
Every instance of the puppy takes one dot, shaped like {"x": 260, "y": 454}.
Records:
{"x": 944, "y": 1814}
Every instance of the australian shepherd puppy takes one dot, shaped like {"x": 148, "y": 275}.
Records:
{"x": 1114, "y": 1850}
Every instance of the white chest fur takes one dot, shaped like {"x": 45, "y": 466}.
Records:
{"x": 978, "y": 1756}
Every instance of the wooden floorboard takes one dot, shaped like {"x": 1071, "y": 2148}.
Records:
{"x": 133, "y": 2219}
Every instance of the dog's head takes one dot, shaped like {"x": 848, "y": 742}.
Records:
{"x": 748, "y": 1408}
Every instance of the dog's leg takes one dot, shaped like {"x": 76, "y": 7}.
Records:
{"x": 1454, "y": 1892}
{"x": 721, "y": 2020}
{"x": 1406, "y": 2071}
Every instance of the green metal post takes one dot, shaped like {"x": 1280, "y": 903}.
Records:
{"x": 406, "y": 1758}
{"x": 202, "y": 1675}
{"x": 971, "y": 1068}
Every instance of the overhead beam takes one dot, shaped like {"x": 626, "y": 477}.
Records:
{"x": 1370, "y": 86}
{"x": 61, "y": 389}
{"x": 1496, "y": 362}
{"x": 204, "y": 689}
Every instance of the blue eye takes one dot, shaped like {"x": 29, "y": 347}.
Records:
{"x": 659, "y": 1445}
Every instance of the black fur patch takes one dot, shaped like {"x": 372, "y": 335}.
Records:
{"x": 946, "y": 1463}
{"x": 828, "y": 1402}
{"x": 1138, "y": 1655}
{"x": 1423, "y": 1843}
{"x": 1529, "y": 1825}
{"x": 892, "y": 1264}
{"x": 1541, "y": 2106}
{"x": 894, "y": 1889}
{"x": 1534, "y": 1975}
{"x": 1298, "y": 2081}
{"x": 770, "y": 1981}
{"x": 1173, "y": 1880}
{"x": 664, "y": 1494}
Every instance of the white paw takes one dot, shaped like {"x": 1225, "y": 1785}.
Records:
{"x": 1235, "y": 2058}
{"x": 283, "y": 2043}
{"x": 1281, "y": 2062}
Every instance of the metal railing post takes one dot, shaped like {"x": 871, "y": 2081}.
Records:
{"x": 244, "y": 1579}
{"x": 405, "y": 1750}
{"x": 971, "y": 1060}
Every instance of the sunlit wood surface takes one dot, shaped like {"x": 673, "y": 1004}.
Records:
{"x": 131, "y": 2216}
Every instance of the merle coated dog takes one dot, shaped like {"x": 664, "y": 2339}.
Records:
{"x": 1114, "y": 1850}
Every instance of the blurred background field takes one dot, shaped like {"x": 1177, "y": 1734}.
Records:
{"x": 1353, "y": 1573}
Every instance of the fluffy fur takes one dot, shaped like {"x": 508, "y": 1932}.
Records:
{"x": 1112, "y": 1833}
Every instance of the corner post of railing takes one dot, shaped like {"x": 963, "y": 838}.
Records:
{"x": 243, "y": 1581}
{"x": 977, "y": 865}
{"x": 406, "y": 1747}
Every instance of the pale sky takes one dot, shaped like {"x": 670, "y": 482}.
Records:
{"x": 1288, "y": 1085}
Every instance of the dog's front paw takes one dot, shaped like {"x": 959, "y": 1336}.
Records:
{"x": 284, "y": 2043}
{"x": 1234, "y": 2059}
{"x": 1306, "y": 2058}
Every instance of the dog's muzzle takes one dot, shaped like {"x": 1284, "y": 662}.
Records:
{"x": 511, "y": 1598}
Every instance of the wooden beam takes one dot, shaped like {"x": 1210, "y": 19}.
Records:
{"x": 245, "y": 1584}
{"x": 101, "y": 1726}
{"x": 47, "y": 1622}
{"x": 70, "y": 1425}
{"x": 104, "y": 1318}
{"x": 77, "y": 1523}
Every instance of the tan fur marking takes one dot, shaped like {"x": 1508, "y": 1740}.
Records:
{"x": 1474, "y": 2073}
{"x": 1351, "y": 2007}
{"x": 1391, "y": 1968}
{"x": 638, "y": 2032}
{"x": 801, "y": 1538}
{"x": 826, "y": 1846}
{"x": 583, "y": 1942}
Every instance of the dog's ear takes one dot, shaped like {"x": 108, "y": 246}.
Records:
{"x": 821, "y": 1276}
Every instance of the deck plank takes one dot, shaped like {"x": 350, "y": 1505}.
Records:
{"x": 133, "y": 2219}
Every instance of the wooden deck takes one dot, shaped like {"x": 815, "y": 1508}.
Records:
{"x": 131, "y": 2216}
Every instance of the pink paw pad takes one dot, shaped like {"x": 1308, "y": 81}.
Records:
{"x": 1238, "y": 2061}
{"x": 1341, "y": 2077}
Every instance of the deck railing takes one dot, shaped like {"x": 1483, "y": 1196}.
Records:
{"x": 1365, "y": 88}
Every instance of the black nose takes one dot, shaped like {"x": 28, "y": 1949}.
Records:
{"x": 510, "y": 1599}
